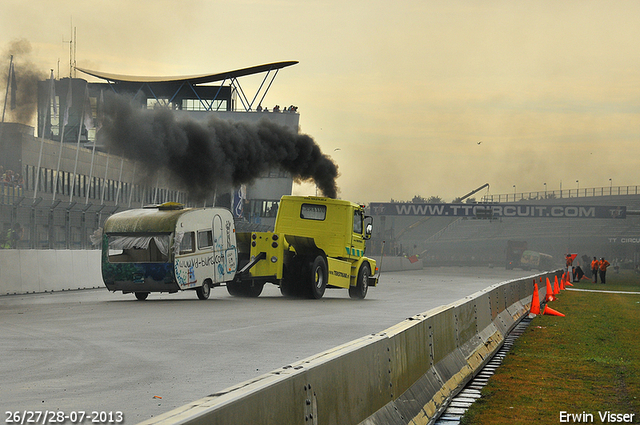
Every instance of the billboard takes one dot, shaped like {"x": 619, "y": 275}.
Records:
{"x": 495, "y": 211}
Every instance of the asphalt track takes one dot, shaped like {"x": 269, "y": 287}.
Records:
{"x": 92, "y": 350}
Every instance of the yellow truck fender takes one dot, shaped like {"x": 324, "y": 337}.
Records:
{"x": 355, "y": 268}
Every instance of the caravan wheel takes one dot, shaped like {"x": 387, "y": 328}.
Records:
{"x": 204, "y": 291}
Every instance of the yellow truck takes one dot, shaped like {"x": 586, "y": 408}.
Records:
{"x": 317, "y": 243}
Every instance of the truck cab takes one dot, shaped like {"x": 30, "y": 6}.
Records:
{"x": 317, "y": 243}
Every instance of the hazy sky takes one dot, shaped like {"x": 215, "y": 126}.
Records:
{"x": 405, "y": 90}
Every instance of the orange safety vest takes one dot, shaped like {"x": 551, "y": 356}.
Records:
{"x": 595, "y": 265}
{"x": 603, "y": 265}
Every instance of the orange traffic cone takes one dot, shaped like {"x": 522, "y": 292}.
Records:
{"x": 566, "y": 281}
{"x": 562, "y": 280}
{"x": 551, "y": 312}
{"x": 535, "y": 300}
{"x": 556, "y": 289}
{"x": 549, "y": 296}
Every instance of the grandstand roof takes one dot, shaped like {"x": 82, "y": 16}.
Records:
{"x": 193, "y": 79}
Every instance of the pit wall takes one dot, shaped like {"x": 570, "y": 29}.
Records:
{"x": 24, "y": 271}
{"x": 406, "y": 374}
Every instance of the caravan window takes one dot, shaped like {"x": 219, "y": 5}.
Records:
{"x": 139, "y": 249}
{"x": 205, "y": 239}
{"x": 187, "y": 244}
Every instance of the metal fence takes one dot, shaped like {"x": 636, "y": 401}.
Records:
{"x": 31, "y": 225}
{"x": 26, "y": 223}
{"x": 44, "y": 223}
{"x": 10, "y": 192}
{"x": 561, "y": 194}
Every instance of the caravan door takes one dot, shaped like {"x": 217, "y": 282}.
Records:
{"x": 224, "y": 243}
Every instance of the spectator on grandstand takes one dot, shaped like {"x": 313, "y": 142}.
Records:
{"x": 9, "y": 177}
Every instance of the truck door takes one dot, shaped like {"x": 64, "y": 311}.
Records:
{"x": 357, "y": 237}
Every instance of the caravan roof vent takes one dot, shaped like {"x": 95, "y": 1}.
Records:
{"x": 166, "y": 206}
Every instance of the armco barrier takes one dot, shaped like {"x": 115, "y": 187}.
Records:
{"x": 24, "y": 271}
{"x": 405, "y": 374}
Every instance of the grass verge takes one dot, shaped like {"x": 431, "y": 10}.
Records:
{"x": 586, "y": 363}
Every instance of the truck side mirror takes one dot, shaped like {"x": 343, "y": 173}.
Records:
{"x": 368, "y": 228}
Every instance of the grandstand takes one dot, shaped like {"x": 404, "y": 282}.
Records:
{"x": 471, "y": 241}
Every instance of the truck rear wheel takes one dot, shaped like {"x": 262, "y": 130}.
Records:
{"x": 288, "y": 288}
{"x": 141, "y": 296}
{"x": 291, "y": 276}
{"x": 204, "y": 290}
{"x": 362, "y": 283}
{"x": 234, "y": 288}
{"x": 245, "y": 289}
{"x": 254, "y": 290}
{"x": 318, "y": 278}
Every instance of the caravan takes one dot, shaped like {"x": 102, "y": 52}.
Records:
{"x": 168, "y": 248}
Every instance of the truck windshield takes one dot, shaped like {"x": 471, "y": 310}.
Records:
{"x": 139, "y": 249}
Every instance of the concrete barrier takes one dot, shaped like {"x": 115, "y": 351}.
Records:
{"x": 406, "y": 374}
{"x": 29, "y": 271}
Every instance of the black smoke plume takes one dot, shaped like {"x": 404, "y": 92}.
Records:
{"x": 217, "y": 154}
{"x": 27, "y": 76}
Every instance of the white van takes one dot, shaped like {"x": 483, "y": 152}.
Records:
{"x": 168, "y": 248}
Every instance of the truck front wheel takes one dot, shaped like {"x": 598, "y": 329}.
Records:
{"x": 362, "y": 283}
{"x": 318, "y": 277}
